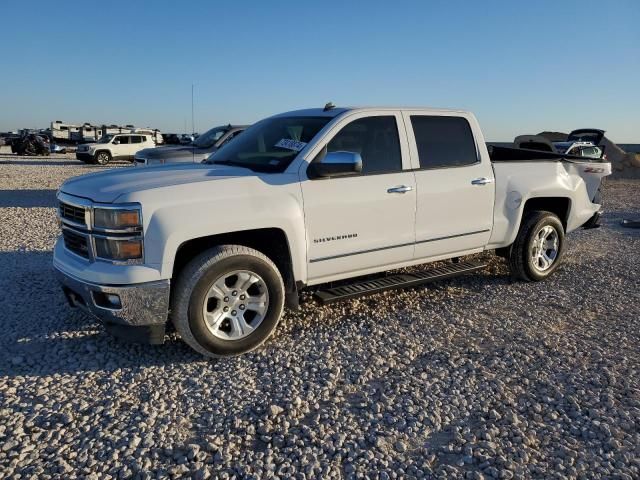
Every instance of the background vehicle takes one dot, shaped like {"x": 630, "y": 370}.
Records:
{"x": 67, "y": 132}
{"x": 584, "y": 142}
{"x": 171, "y": 139}
{"x": 113, "y": 147}
{"x": 580, "y": 143}
{"x": 195, "y": 152}
{"x": 306, "y": 199}
{"x": 55, "y": 148}
{"x": 186, "y": 139}
{"x": 31, "y": 144}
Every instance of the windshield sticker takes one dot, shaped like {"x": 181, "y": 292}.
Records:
{"x": 289, "y": 144}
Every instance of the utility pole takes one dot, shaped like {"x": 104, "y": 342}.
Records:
{"x": 193, "y": 126}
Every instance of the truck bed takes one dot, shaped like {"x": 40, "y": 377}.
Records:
{"x": 510, "y": 154}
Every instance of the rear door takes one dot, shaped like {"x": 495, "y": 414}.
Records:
{"x": 135, "y": 145}
{"x": 363, "y": 222}
{"x": 455, "y": 185}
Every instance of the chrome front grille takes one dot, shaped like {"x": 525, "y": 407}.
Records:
{"x": 73, "y": 213}
{"x": 79, "y": 234}
{"x": 76, "y": 242}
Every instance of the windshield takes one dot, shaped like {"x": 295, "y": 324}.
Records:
{"x": 105, "y": 139}
{"x": 270, "y": 145}
{"x": 210, "y": 137}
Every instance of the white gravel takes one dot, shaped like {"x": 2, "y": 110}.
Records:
{"x": 477, "y": 377}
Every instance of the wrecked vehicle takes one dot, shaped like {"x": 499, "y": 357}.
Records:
{"x": 304, "y": 199}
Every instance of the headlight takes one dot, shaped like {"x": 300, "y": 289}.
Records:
{"x": 117, "y": 218}
{"x": 116, "y": 249}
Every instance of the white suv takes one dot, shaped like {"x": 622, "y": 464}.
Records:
{"x": 114, "y": 147}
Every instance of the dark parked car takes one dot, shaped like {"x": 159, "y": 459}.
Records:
{"x": 195, "y": 152}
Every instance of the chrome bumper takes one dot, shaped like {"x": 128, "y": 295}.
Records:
{"x": 140, "y": 305}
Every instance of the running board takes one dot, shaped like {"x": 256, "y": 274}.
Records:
{"x": 401, "y": 280}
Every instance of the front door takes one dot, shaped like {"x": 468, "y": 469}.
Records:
{"x": 455, "y": 185}
{"x": 122, "y": 148}
{"x": 362, "y": 223}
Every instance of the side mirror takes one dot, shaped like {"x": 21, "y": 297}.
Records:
{"x": 335, "y": 164}
{"x": 116, "y": 142}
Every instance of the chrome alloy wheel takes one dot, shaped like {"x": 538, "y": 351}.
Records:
{"x": 236, "y": 304}
{"x": 544, "y": 249}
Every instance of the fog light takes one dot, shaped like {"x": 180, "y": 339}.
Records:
{"x": 114, "y": 300}
{"x": 107, "y": 300}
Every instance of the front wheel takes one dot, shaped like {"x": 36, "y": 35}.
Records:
{"x": 228, "y": 300}
{"x": 102, "y": 158}
{"x": 537, "y": 250}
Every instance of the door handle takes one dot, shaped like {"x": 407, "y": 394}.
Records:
{"x": 481, "y": 181}
{"x": 400, "y": 189}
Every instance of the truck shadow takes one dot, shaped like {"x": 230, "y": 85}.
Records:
{"x": 42, "y": 163}
{"x": 27, "y": 198}
{"x": 42, "y": 335}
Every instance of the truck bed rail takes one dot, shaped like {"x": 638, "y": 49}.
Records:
{"x": 510, "y": 154}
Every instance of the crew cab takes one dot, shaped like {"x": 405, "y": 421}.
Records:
{"x": 114, "y": 147}
{"x": 324, "y": 198}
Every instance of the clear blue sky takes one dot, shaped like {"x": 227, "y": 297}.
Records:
{"x": 521, "y": 66}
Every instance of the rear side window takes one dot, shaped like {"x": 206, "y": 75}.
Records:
{"x": 375, "y": 139}
{"x": 443, "y": 141}
{"x": 136, "y": 139}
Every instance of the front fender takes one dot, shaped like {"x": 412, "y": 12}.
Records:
{"x": 175, "y": 215}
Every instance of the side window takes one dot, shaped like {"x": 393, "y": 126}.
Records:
{"x": 230, "y": 137}
{"x": 375, "y": 139}
{"x": 136, "y": 139}
{"x": 443, "y": 141}
{"x": 123, "y": 139}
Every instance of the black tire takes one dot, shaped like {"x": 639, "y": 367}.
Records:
{"x": 102, "y": 157}
{"x": 193, "y": 284}
{"x": 521, "y": 262}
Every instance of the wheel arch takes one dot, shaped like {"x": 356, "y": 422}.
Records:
{"x": 272, "y": 242}
{"x": 560, "y": 206}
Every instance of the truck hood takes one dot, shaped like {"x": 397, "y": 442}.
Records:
{"x": 106, "y": 187}
{"x": 174, "y": 151}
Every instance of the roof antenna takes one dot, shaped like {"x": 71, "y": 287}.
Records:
{"x": 328, "y": 106}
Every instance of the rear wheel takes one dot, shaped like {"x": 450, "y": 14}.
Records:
{"x": 102, "y": 158}
{"x": 228, "y": 300}
{"x": 537, "y": 250}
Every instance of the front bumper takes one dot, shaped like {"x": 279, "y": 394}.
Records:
{"x": 84, "y": 156}
{"x": 140, "y": 312}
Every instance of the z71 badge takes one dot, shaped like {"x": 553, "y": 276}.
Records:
{"x": 335, "y": 237}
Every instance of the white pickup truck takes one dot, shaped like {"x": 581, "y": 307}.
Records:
{"x": 311, "y": 198}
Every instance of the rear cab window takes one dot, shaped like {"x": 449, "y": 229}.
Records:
{"x": 443, "y": 141}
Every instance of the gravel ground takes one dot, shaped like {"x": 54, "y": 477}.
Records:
{"x": 477, "y": 377}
